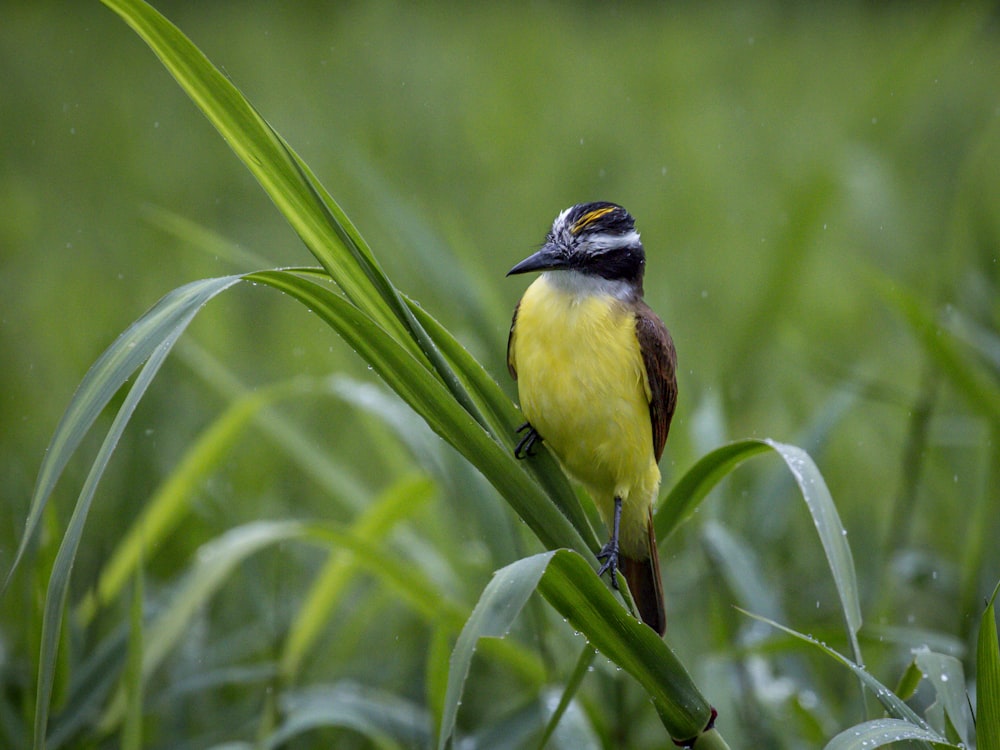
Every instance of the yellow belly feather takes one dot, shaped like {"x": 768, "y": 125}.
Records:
{"x": 582, "y": 385}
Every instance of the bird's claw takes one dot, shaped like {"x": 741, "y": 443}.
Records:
{"x": 526, "y": 445}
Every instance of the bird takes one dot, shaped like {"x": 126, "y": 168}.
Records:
{"x": 596, "y": 378}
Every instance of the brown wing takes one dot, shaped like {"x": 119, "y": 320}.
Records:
{"x": 510, "y": 343}
{"x": 660, "y": 359}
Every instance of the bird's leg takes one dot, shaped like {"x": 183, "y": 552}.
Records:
{"x": 609, "y": 552}
{"x": 526, "y": 445}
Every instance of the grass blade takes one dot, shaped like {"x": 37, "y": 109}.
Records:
{"x": 321, "y": 224}
{"x": 132, "y": 683}
{"x": 155, "y": 332}
{"x": 945, "y": 673}
{"x": 583, "y": 665}
{"x": 881, "y": 732}
{"x": 569, "y": 584}
{"x": 336, "y": 244}
{"x": 699, "y": 480}
{"x": 107, "y": 375}
{"x": 980, "y": 389}
{"x": 169, "y": 504}
{"x": 383, "y": 718}
{"x": 891, "y": 702}
{"x": 400, "y": 500}
{"x": 988, "y": 679}
{"x": 831, "y": 533}
{"x": 429, "y": 398}
{"x": 494, "y": 614}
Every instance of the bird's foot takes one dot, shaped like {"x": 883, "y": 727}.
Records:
{"x": 609, "y": 554}
{"x": 526, "y": 445}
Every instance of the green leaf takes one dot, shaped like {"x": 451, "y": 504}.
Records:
{"x": 159, "y": 327}
{"x": 945, "y": 673}
{"x": 385, "y": 719}
{"x": 132, "y": 682}
{"x": 980, "y": 389}
{"x": 214, "y": 563}
{"x": 311, "y": 211}
{"x": 988, "y": 679}
{"x": 323, "y": 227}
{"x": 494, "y": 614}
{"x": 400, "y": 500}
{"x": 431, "y": 400}
{"x": 165, "y": 510}
{"x": 150, "y": 338}
{"x": 572, "y": 686}
{"x": 882, "y": 732}
{"x": 699, "y": 480}
{"x": 831, "y": 532}
{"x": 569, "y": 584}
{"x": 892, "y": 703}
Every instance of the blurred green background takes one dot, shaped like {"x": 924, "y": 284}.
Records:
{"x": 785, "y": 164}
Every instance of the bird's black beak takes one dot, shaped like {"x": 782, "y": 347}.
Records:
{"x": 549, "y": 257}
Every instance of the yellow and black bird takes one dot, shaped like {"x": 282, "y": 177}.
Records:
{"x": 595, "y": 370}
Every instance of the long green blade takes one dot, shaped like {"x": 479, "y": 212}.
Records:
{"x": 150, "y": 338}
{"x": 106, "y": 376}
{"x": 569, "y": 584}
{"x": 431, "y": 400}
{"x": 323, "y": 227}
{"x": 698, "y": 481}
{"x": 988, "y": 679}
{"x": 880, "y": 733}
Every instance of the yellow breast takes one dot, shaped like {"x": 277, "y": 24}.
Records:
{"x": 581, "y": 383}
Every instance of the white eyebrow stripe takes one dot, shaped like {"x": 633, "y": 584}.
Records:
{"x": 613, "y": 241}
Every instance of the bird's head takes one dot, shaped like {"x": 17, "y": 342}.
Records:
{"x": 597, "y": 240}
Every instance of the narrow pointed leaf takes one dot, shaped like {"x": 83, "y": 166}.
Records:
{"x": 311, "y": 211}
{"x": 880, "y": 733}
{"x": 945, "y": 673}
{"x": 106, "y": 376}
{"x": 155, "y": 333}
{"x": 569, "y": 584}
{"x": 336, "y": 244}
{"x": 494, "y": 614}
{"x": 891, "y": 702}
{"x": 384, "y": 718}
{"x": 988, "y": 680}
{"x": 971, "y": 380}
{"x": 831, "y": 533}
{"x": 429, "y": 398}
{"x": 698, "y": 481}
{"x": 401, "y": 500}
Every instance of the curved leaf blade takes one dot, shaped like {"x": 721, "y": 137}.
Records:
{"x": 881, "y": 732}
{"x": 708, "y": 471}
{"x": 832, "y": 534}
{"x": 988, "y": 679}
{"x": 161, "y": 323}
{"x": 382, "y": 717}
{"x": 321, "y": 225}
{"x": 568, "y": 583}
{"x": 699, "y": 480}
{"x": 431, "y": 400}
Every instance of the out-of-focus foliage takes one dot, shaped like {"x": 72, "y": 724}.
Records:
{"x": 792, "y": 169}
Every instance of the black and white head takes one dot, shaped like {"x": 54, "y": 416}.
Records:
{"x": 593, "y": 242}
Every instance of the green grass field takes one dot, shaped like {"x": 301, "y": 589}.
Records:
{"x": 287, "y": 537}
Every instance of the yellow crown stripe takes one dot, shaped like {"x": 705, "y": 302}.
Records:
{"x": 589, "y": 218}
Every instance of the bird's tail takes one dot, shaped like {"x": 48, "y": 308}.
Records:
{"x": 644, "y": 582}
